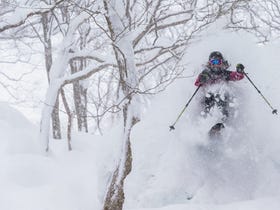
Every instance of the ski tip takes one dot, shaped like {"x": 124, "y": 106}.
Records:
{"x": 216, "y": 129}
{"x": 218, "y": 126}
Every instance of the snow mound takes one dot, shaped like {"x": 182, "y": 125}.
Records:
{"x": 31, "y": 179}
{"x": 18, "y": 135}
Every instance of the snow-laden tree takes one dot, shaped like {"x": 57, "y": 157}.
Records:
{"x": 20, "y": 21}
{"x": 77, "y": 42}
{"x": 59, "y": 76}
{"x": 47, "y": 19}
{"x": 149, "y": 39}
{"x": 155, "y": 33}
{"x": 80, "y": 88}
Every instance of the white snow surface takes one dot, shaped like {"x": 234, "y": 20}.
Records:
{"x": 239, "y": 172}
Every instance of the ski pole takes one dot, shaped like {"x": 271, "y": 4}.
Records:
{"x": 172, "y": 126}
{"x": 274, "y": 111}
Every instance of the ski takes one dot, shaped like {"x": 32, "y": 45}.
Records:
{"x": 215, "y": 131}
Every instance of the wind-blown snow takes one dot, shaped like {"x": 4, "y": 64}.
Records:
{"x": 171, "y": 167}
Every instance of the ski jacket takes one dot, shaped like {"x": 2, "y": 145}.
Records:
{"x": 208, "y": 76}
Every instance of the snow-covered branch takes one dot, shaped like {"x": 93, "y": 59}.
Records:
{"x": 86, "y": 73}
{"x": 21, "y": 15}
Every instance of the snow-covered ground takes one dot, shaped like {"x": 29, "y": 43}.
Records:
{"x": 242, "y": 171}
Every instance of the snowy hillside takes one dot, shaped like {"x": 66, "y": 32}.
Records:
{"x": 171, "y": 170}
{"x": 171, "y": 167}
{"x": 31, "y": 180}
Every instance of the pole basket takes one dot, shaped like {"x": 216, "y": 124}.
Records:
{"x": 171, "y": 127}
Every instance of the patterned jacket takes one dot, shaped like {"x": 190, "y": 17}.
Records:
{"x": 208, "y": 76}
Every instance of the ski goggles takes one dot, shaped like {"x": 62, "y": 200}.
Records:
{"x": 216, "y": 61}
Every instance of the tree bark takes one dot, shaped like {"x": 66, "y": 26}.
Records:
{"x": 80, "y": 97}
{"x": 46, "y": 19}
{"x": 115, "y": 194}
{"x": 70, "y": 119}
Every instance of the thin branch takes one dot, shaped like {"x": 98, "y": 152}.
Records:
{"x": 21, "y": 22}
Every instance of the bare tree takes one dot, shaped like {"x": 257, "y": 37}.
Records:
{"x": 70, "y": 119}
{"x": 261, "y": 18}
{"x": 12, "y": 18}
{"x": 80, "y": 87}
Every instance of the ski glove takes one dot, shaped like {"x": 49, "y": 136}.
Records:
{"x": 203, "y": 78}
{"x": 240, "y": 68}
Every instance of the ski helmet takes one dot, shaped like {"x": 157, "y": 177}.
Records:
{"x": 216, "y": 62}
{"x": 216, "y": 55}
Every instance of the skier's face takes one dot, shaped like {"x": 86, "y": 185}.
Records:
{"x": 216, "y": 64}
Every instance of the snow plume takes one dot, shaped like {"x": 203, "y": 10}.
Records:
{"x": 186, "y": 163}
{"x": 185, "y": 166}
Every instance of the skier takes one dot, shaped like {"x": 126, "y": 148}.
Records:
{"x": 215, "y": 72}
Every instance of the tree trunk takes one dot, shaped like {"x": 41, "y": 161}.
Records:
{"x": 84, "y": 108}
{"x": 70, "y": 119}
{"x": 80, "y": 97}
{"x": 56, "y": 128}
{"x": 115, "y": 194}
{"x": 124, "y": 55}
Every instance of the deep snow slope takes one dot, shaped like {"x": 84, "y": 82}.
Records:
{"x": 260, "y": 204}
{"x": 172, "y": 167}
{"x": 32, "y": 180}
{"x": 13, "y": 125}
